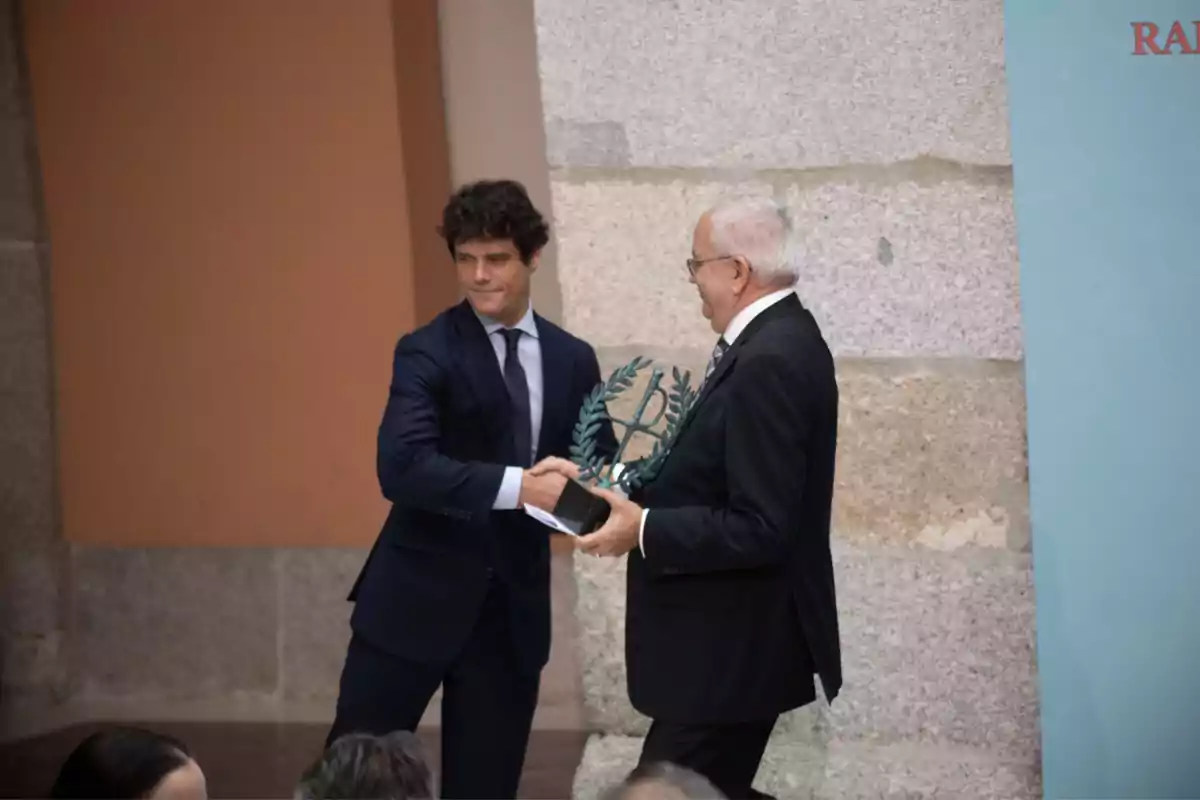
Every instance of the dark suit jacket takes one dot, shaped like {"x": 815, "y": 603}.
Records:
{"x": 731, "y": 610}
{"x": 444, "y": 442}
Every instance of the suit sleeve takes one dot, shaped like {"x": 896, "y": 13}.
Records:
{"x": 412, "y": 472}
{"x": 766, "y": 430}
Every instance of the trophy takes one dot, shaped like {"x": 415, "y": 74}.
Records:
{"x": 579, "y": 510}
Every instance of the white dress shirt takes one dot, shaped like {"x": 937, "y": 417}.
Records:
{"x": 529, "y": 351}
{"x": 732, "y": 332}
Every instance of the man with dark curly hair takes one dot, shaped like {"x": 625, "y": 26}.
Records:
{"x": 456, "y": 591}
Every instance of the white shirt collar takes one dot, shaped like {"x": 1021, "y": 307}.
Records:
{"x": 527, "y": 325}
{"x": 746, "y": 315}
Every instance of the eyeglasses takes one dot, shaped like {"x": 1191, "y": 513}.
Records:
{"x": 694, "y": 264}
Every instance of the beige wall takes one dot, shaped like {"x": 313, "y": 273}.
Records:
{"x": 239, "y": 196}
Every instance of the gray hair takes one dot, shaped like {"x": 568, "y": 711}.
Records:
{"x": 759, "y": 230}
{"x": 663, "y": 781}
{"x": 359, "y": 765}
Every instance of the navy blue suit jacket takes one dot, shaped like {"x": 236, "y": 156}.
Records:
{"x": 444, "y": 443}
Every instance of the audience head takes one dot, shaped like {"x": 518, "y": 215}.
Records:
{"x": 741, "y": 250}
{"x": 360, "y": 766}
{"x": 495, "y": 235}
{"x": 130, "y": 763}
{"x": 662, "y": 781}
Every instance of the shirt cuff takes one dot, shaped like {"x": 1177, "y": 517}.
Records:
{"x": 642, "y": 532}
{"x": 510, "y": 490}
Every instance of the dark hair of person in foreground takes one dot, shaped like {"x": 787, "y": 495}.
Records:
{"x": 360, "y": 766}
{"x": 128, "y": 763}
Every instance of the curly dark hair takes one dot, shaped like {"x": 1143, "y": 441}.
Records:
{"x": 494, "y": 209}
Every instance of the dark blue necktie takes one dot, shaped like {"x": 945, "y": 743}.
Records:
{"x": 518, "y": 393}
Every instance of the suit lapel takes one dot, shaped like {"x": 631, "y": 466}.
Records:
{"x": 722, "y": 369}
{"x": 556, "y": 385}
{"x": 785, "y": 306}
{"x": 481, "y": 367}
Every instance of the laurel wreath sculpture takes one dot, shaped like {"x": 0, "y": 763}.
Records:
{"x": 675, "y": 406}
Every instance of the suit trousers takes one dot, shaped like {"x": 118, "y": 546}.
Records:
{"x": 727, "y": 755}
{"x": 487, "y": 703}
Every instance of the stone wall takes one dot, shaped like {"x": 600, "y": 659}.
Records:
{"x": 33, "y": 619}
{"x": 882, "y": 125}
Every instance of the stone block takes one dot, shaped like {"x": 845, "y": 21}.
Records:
{"x": 32, "y": 642}
{"x": 30, "y": 586}
{"x": 768, "y": 84}
{"x": 559, "y": 688}
{"x": 840, "y": 771}
{"x": 176, "y": 623}
{"x": 937, "y": 651}
{"x": 600, "y": 609}
{"x": 27, "y": 512}
{"x": 20, "y": 215}
{"x": 943, "y": 284}
{"x": 590, "y": 144}
{"x": 912, "y": 269}
{"x": 929, "y": 452}
{"x": 11, "y": 78}
{"x": 33, "y": 666}
{"x": 315, "y": 618}
{"x": 19, "y": 203}
{"x": 20, "y": 180}
{"x": 932, "y": 453}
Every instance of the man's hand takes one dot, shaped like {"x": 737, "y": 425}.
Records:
{"x": 619, "y": 534}
{"x": 555, "y": 465}
{"x": 541, "y": 490}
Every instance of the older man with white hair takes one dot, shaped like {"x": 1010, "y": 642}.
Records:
{"x": 731, "y": 608}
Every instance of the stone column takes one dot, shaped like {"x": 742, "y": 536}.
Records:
{"x": 32, "y": 562}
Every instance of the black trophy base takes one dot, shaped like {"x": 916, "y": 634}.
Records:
{"x": 579, "y": 510}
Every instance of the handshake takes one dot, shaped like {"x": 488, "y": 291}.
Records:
{"x": 542, "y": 484}
{"x": 613, "y": 532}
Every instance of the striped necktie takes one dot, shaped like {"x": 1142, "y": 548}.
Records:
{"x": 717, "y": 352}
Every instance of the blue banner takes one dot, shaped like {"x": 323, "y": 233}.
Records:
{"x": 1105, "y": 115}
